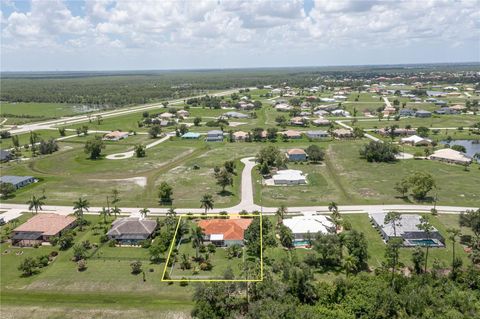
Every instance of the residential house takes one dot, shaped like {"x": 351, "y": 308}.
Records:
{"x": 191, "y": 135}
{"x": 236, "y": 115}
{"x": 17, "y": 181}
{"x": 458, "y": 107}
{"x": 387, "y": 111}
{"x": 214, "y": 136}
{"x": 296, "y": 155}
{"x": 115, "y": 136}
{"x": 321, "y": 122}
{"x": 406, "y": 112}
{"x": 342, "y": 133}
{"x": 5, "y": 156}
{"x": 407, "y": 229}
{"x": 131, "y": 230}
{"x": 225, "y": 232}
{"x": 183, "y": 113}
{"x": 292, "y": 134}
{"x": 451, "y": 156}
{"x": 166, "y": 116}
{"x": 283, "y": 107}
{"x": 340, "y": 113}
{"x": 308, "y": 224}
{"x": 289, "y": 177}
{"x": 321, "y": 112}
{"x": 298, "y": 121}
{"x": 316, "y": 134}
{"x": 423, "y": 113}
{"x": 41, "y": 228}
{"x": 441, "y": 103}
{"x": 446, "y": 110}
{"x": 396, "y": 132}
{"x": 416, "y": 140}
{"x": 240, "y": 136}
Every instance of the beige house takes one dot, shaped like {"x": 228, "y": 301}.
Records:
{"x": 451, "y": 156}
{"x": 292, "y": 134}
{"x": 342, "y": 133}
{"x": 240, "y": 136}
{"x": 115, "y": 136}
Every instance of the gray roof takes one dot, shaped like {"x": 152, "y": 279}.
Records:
{"x": 317, "y": 132}
{"x": 408, "y": 224}
{"x": 14, "y": 179}
{"x": 215, "y": 132}
{"x": 236, "y": 114}
{"x": 424, "y": 112}
{"x": 132, "y": 226}
{"x": 4, "y": 154}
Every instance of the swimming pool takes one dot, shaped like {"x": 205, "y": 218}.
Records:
{"x": 423, "y": 242}
{"x": 301, "y": 243}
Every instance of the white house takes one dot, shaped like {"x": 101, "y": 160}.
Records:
{"x": 309, "y": 223}
{"x": 451, "y": 156}
{"x": 416, "y": 140}
{"x": 289, "y": 177}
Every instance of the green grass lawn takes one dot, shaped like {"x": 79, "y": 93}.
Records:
{"x": 20, "y": 113}
{"x": 25, "y": 138}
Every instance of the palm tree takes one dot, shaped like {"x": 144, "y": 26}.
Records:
{"x": 36, "y": 203}
{"x": 144, "y": 212}
{"x": 350, "y": 264}
{"x": 427, "y": 228}
{"x": 104, "y": 213}
{"x": 115, "y": 210}
{"x": 78, "y": 206}
{"x": 280, "y": 213}
{"x": 185, "y": 263}
{"x": 335, "y": 219}
{"x": 206, "y": 202}
{"x": 197, "y": 237}
{"x": 171, "y": 212}
{"x": 115, "y": 199}
{"x": 394, "y": 218}
{"x": 454, "y": 233}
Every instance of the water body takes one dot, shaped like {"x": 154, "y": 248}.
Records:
{"x": 472, "y": 146}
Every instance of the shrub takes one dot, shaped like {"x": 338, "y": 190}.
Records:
{"x": 112, "y": 243}
{"x": 54, "y": 253}
{"x": 42, "y": 261}
{"x": 136, "y": 267}
{"x": 81, "y": 265}
{"x": 184, "y": 283}
{"x": 104, "y": 238}
{"x": 211, "y": 248}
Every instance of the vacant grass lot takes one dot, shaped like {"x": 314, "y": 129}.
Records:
{"x": 25, "y": 138}
{"x": 31, "y": 112}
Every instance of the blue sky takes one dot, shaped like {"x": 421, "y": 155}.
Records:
{"x": 42, "y": 35}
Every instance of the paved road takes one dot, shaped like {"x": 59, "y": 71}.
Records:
{"x": 105, "y": 114}
{"x": 246, "y": 203}
{"x": 129, "y": 154}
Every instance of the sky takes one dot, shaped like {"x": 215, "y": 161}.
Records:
{"x": 60, "y": 35}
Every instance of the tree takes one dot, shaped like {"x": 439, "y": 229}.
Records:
{"x": 79, "y": 252}
{"x": 357, "y": 247}
{"x": 286, "y": 237}
{"x": 418, "y": 258}
{"x": 197, "y": 236}
{"x": 206, "y": 202}
{"x": 264, "y": 169}
{"x": 94, "y": 147}
{"x": 349, "y": 264}
{"x": 78, "y": 206}
{"x": 144, "y": 212}
{"x": 165, "y": 193}
{"x": 65, "y": 241}
{"x": 392, "y": 256}
{"x": 358, "y": 132}
{"x": 315, "y": 153}
{"x": 230, "y": 166}
{"x": 136, "y": 267}
{"x": 280, "y": 213}
{"x": 224, "y": 179}
{"x": 427, "y": 229}
{"x": 268, "y": 155}
{"x": 402, "y": 187}
{"x": 171, "y": 212}
{"x": 377, "y": 151}
{"x": 116, "y": 211}
{"x": 6, "y": 190}
{"x": 104, "y": 213}
{"x": 185, "y": 262}
{"x": 393, "y": 218}
{"x": 453, "y": 234}
{"x": 154, "y": 131}
{"x": 36, "y": 203}
{"x": 140, "y": 150}
{"x": 423, "y": 131}
{"x": 329, "y": 248}
{"x": 272, "y": 133}
{"x": 335, "y": 218}
{"x": 420, "y": 184}
{"x": 459, "y": 148}
{"x": 28, "y": 266}
{"x": 197, "y": 121}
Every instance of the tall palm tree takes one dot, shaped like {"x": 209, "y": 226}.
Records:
{"x": 280, "y": 213}
{"x": 350, "y": 264}
{"x": 335, "y": 219}
{"x": 36, "y": 203}
{"x": 454, "y": 233}
{"x": 104, "y": 213}
{"x": 206, "y": 202}
{"x": 394, "y": 218}
{"x": 116, "y": 211}
{"x": 427, "y": 228}
{"x": 171, "y": 212}
{"x": 78, "y": 206}
{"x": 197, "y": 237}
{"x": 144, "y": 212}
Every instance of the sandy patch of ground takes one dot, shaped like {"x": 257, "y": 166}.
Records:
{"x": 235, "y": 124}
{"x": 140, "y": 180}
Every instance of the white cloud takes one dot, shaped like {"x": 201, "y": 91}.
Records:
{"x": 268, "y": 27}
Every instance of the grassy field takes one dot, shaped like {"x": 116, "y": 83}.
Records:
{"x": 453, "y": 121}
{"x": 20, "y": 113}
{"x": 348, "y": 179}
{"x": 25, "y": 138}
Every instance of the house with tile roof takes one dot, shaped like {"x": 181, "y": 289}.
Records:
{"x": 131, "y": 230}
{"x": 224, "y": 232}
{"x": 296, "y": 154}
{"x": 41, "y": 228}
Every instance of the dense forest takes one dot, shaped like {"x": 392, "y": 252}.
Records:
{"x": 137, "y": 87}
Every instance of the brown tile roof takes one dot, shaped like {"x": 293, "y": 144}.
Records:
{"x": 232, "y": 229}
{"x": 296, "y": 151}
{"x": 47, "y": 223}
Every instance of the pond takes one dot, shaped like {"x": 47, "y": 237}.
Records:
{"x": 472, "y": 146}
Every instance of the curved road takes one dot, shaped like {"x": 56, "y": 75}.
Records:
{"x": 12, "y": 211}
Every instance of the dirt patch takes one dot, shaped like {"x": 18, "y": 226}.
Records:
{"x": 140, "y": 180}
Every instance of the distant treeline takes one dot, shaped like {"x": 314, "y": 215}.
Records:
{"x": 138, "y": 87}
